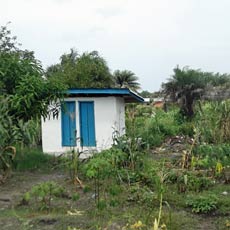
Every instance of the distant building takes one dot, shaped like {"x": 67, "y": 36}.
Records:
{"x": 158, "y": 102}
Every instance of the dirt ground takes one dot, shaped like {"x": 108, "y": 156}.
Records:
{"x": 21, "y": 182}
{"x": 11, "y": 193}
{"x": 15, "y": 217}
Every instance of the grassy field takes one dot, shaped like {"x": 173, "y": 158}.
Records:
{"x": 38, "y": 198}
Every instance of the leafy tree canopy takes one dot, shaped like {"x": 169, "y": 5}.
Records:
{"x": 88, "y": 70}
{"x": 146, "y": 93}
{"x": 22, "y": 81}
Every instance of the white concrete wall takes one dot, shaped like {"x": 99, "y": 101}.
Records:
{"x": 109, "y": 116}
{"x": 120, "y": 113}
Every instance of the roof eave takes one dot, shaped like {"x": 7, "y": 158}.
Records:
{"x": 128, "y": 95}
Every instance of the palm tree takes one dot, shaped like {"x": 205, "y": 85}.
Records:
{"x": 126, "y": 79}
{"x": 186, "y": 86}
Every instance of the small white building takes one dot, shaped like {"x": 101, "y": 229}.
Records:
{"x": 88, "y": 120}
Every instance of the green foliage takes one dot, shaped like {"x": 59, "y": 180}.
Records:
{"x": 10, "y": 134}
{"x": 18, "y": 70}
{"x": 213, "y": 122}
{"x": 188, "y": 85}
{"x": 25, "y": 94}
{"x": 209, "y": 155}
{"x": 198, "y": 183}
{"x": 32, "y": 159}
{"x": 103, "y": 165}
{"x": 102, "y": 204}
{"x": 20, "y": 134}
{"x": 72, "y": 163}
{"x": 88, "y": 70}
{"x": 131, "y": 151}
{"x": 42, "y": 194}
{"x": 106, "y": 163}
{"x": 153, "y": 128}
{"x": 189, "y": 181}
{"x": 98, "y": 167}
{"x": 75, "y": 196}
{"x": 7, "y": 42}
{"x": 7, "y": 156}
{"x": 203, "y": 204}
{"x": 114, "y": 190}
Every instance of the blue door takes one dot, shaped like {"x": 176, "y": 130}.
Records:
{"x": 68, "y": 126}
{"x": 87, "y": 123}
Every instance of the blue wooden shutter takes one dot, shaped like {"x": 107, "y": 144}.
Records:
{"x": 87, "y": 123}
{"x": 68, "y": 123}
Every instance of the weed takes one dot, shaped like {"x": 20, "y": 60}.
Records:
{"x": 43, "y": 194}
{"x": 202, "y": 204}
{"x": 75, "y": 196}
{"x": 72, "y": 164}
{"x": 189, "y": 181}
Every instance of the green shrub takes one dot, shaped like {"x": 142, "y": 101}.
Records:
{"x": 75, "y": 196}
{"x": 198, "y": 183}
{"x": 101, "y": 165}
{"x": 210, "y": 154}
{"x": 188, "y": 181}
{"x": 155, "y": 129}
{"x": 42, "y": 194}
{"x": 202, "y": 204}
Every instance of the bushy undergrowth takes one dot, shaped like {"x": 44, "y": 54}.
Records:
{"x": 31, "y": 159}
{"x": 14, "y": 132}
{"x": 202, "y": 204}
{"x": 212, "y": 122}
{"x": 129, "y": 176}
{"x": 210, "y": 154}
{"x": 154, "y": 127}
{"x": 43, "y": 194}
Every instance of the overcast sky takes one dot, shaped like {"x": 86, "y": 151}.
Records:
{"x": 148, "y": 37}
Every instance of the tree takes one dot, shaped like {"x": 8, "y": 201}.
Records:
{"x": 126, "y": 78}
{"x": 21, "y": 81}
{"x": 25, "y": 96}
{"x": 146, "y": 93}
{"x": 88, "y": 70}
{"x": 188, "y": 85}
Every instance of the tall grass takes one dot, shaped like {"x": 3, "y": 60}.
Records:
{"x": 213, "y": 122}
{"x": 32, "y": 159}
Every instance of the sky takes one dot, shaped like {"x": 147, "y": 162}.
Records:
{"x": 147, "y": 37}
